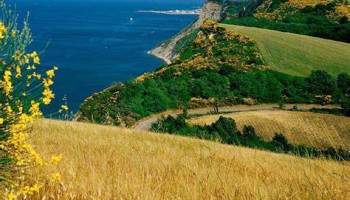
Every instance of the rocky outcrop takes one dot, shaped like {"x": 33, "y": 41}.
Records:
{"x": 165, "y": 51}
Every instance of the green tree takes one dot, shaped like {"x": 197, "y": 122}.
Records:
{"x": 346, "y": 106}
{"x": 249, "y": 132}
{"x": 281, "y": 142}
{"x": 321, "y": 83}
{"x": 343, "y": 83}
{"x": 227, "y": 129}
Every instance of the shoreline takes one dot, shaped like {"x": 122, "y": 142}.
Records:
{"x": 159, "y": 56}
{"x": 166, "y": 50}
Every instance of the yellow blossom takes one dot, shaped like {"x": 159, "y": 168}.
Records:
{"x": 14, "y": 33}
{"x": 36, "y": 60}
{"x": 64, "y": 107}
{"x": 12, "y": 196}
{"x": 7, "y": 84}
{"x": 56, "y": 177}
{"x": 48, "y": 96}
{"x": 50, "y": 73}
{"x": 35, "y": 109}
{"x": 18, "y": 71}
{"x": 17, "y": 56}
{"x": 26, "y": 59}
{"x": 34, "y": 54}
{"x": 3, "y": 30}
{"x": 47, "y": 82}
{"x": 1, "y": 121}
{"x": 36, "y": 188}
{"x": 56, "y": 159}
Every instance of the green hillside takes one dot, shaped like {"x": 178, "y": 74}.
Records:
{"x": 327, "y": 19}
{"x": 298, "y": 54}
{"x": 223, "y": 68}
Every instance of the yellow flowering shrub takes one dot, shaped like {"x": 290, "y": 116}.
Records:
{"x": 23, "y": 90}
{"x": 342, "y": 10}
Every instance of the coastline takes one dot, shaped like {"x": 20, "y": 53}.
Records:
{"x": 160, "y": 56}
{"x": 166, "y": 50}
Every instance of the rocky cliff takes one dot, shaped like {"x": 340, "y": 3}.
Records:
{"x": 165, "y": 51}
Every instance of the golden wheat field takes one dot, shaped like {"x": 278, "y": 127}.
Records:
{"x": 101, "y": 162}
{"x": 318, "y": 130}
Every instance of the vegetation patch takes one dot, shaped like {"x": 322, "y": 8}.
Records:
{"x": 124, "y": 104}
{"x": 225, "y": 130}
{"x": 320, "y": 18}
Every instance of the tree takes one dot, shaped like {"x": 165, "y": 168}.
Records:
{"x": 343, "y": 83}
{"x": 215, "y": 103}
{"x": 154, "y": 97}
{"x": 281, "y": 142}
{"x": 321, "y": 83}
{"x": 249, "y": 132}
{"x": 227, "y": 128}
{"x": 346, "y": 106}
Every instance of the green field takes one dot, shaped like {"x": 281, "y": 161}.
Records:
{"x": 298, "y": 54}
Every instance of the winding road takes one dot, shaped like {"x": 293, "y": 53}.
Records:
{"x": 148, "y": 122}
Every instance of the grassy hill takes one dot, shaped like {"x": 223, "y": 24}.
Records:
{"x": 317, "y": 130}
{"x": 102, "y": 162}
{"x": 298, "y": 54}
{"x": 327, "y": 19}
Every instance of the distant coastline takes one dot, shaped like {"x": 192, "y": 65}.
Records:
{"x": 159, "y": 55}
{"x": 173, "y": 12}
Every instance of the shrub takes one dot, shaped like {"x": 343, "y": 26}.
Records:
{"x": 23, "y": 91}
{"x": 321, "y": 83}
{"x": 281, "y": 105}
{"x": 227, "y": 130}
{"x": 281, "y": 142}
{"x": 343, "y": 83}
{"x": 249, "y": 132}
{"x": 346, "y": 106}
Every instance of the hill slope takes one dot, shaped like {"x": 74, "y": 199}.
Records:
{"x": 298, "y": 54}
{"x": 317, "y": 130}
{"x": 106, "y": 163}
{"x": 327, "y": 19}
{"x": 168, "y": 49}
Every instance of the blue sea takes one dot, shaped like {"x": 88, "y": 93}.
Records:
{"x": 95, "y": 43}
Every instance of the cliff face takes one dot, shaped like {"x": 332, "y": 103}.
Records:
{"x": 165, "y": 51}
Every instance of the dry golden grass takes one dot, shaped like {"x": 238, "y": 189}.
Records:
{"x": 112, "y": 163}
{"x": 318, "y": 130}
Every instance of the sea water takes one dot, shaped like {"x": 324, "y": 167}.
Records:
{"x": 96, "y": 43}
